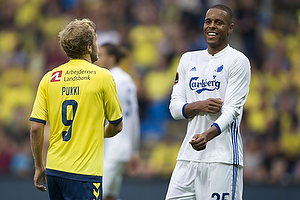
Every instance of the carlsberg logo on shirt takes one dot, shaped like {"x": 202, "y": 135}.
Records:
{"x": 204, "y": 84}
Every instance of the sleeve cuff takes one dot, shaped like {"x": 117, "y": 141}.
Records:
{"x": 116, "y": 121}
{"x": 37, "y": 120}
{"x": 217, "y": 126}
{"x": 183, "y": 114}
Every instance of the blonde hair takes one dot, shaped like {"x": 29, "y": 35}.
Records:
{"x": 76, "y": 37}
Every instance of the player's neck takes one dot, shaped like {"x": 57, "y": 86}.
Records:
{"x": 213, "y": 50}
{"x": 111, "y": 66}
{"x": 87, "y": 57}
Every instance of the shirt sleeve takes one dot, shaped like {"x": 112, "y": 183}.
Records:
{"x": 178, "y": 96}
{"x": 40, "y": 112}
{"x": 236, "y": 93}
{"x": 136, "y": 128}
{"x": 112, "y": 107}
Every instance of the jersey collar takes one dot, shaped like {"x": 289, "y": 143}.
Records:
{"x": 219, "y": 53}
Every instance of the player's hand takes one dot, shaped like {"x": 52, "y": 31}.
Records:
{"x": 212, "y": 105}
{"x": 133, "y": 165}
{"x": 39, "y": 176}
{"x": 198, "y": 142}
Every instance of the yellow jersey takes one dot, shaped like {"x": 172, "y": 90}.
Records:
{"x": 76, "y": 98}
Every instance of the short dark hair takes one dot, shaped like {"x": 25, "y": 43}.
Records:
{"x": 226, "y": 9}
{"x": 114, "y": 50}
{"x": 76, "y": 37}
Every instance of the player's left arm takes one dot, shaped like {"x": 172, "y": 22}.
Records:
{"x": 236, "y": 93}
{"x": 133, "y": 165}
{"x": 235, "y": 97}
{"x": 112, "y": 129}
{"x": 112, "y": 107}
{"x": 199, "y": 141}
{"x": 136, "y": 127}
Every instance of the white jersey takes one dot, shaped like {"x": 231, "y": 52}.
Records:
{"x": 125, "y": 143}
{"x": 200, "y": 76}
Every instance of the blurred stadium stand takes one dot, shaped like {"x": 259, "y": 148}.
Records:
{"x": 156, "y": 33}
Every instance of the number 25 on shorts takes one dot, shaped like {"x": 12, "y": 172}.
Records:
{"x": 217, "y": 196}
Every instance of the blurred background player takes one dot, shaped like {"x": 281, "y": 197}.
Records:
{"x": 76, "y": 97}
{"x": 121, "y": 150}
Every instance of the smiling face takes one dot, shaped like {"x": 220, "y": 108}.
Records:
{"x": 217, "y": 28}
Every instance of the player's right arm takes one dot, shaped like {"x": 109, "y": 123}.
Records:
{"x": 38, "y": 120}
{"x": 37, "y": 142}
{"x": 211, "y": 105}
{"x": 179, "y": 107}
{"x": 178, "y": 96}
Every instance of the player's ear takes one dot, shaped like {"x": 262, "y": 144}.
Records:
{"x": 230, "y": 29}
{"x": 89, "y": 48}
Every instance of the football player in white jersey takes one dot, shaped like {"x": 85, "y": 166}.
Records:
{"x": 210, "y": 89}
{"x": 122, "y": 150}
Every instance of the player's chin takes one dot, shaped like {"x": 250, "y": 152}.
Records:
{"x": 213, "y": 44}
{"x": 211, "y": 40}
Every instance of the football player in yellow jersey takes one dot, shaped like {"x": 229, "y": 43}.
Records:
{"x": 75, "y": 98}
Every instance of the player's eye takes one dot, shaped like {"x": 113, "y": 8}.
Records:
{"x": 219, "y": 22}
{"x": 207, "y": 21}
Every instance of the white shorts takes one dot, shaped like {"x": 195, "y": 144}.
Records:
{"x": 205, "y": 181}
{"x": 112, "y": 177}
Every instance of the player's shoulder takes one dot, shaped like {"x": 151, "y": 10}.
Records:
{"x": 238, "y": 54}
{"x": 193, "y": 53}
{"x": 55, "y": 71}
{"x": 101, "y": 70}
{"x": 119, "y": 73}
{"x": 193, "y": 56}
{"x": 238, "y": 58}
